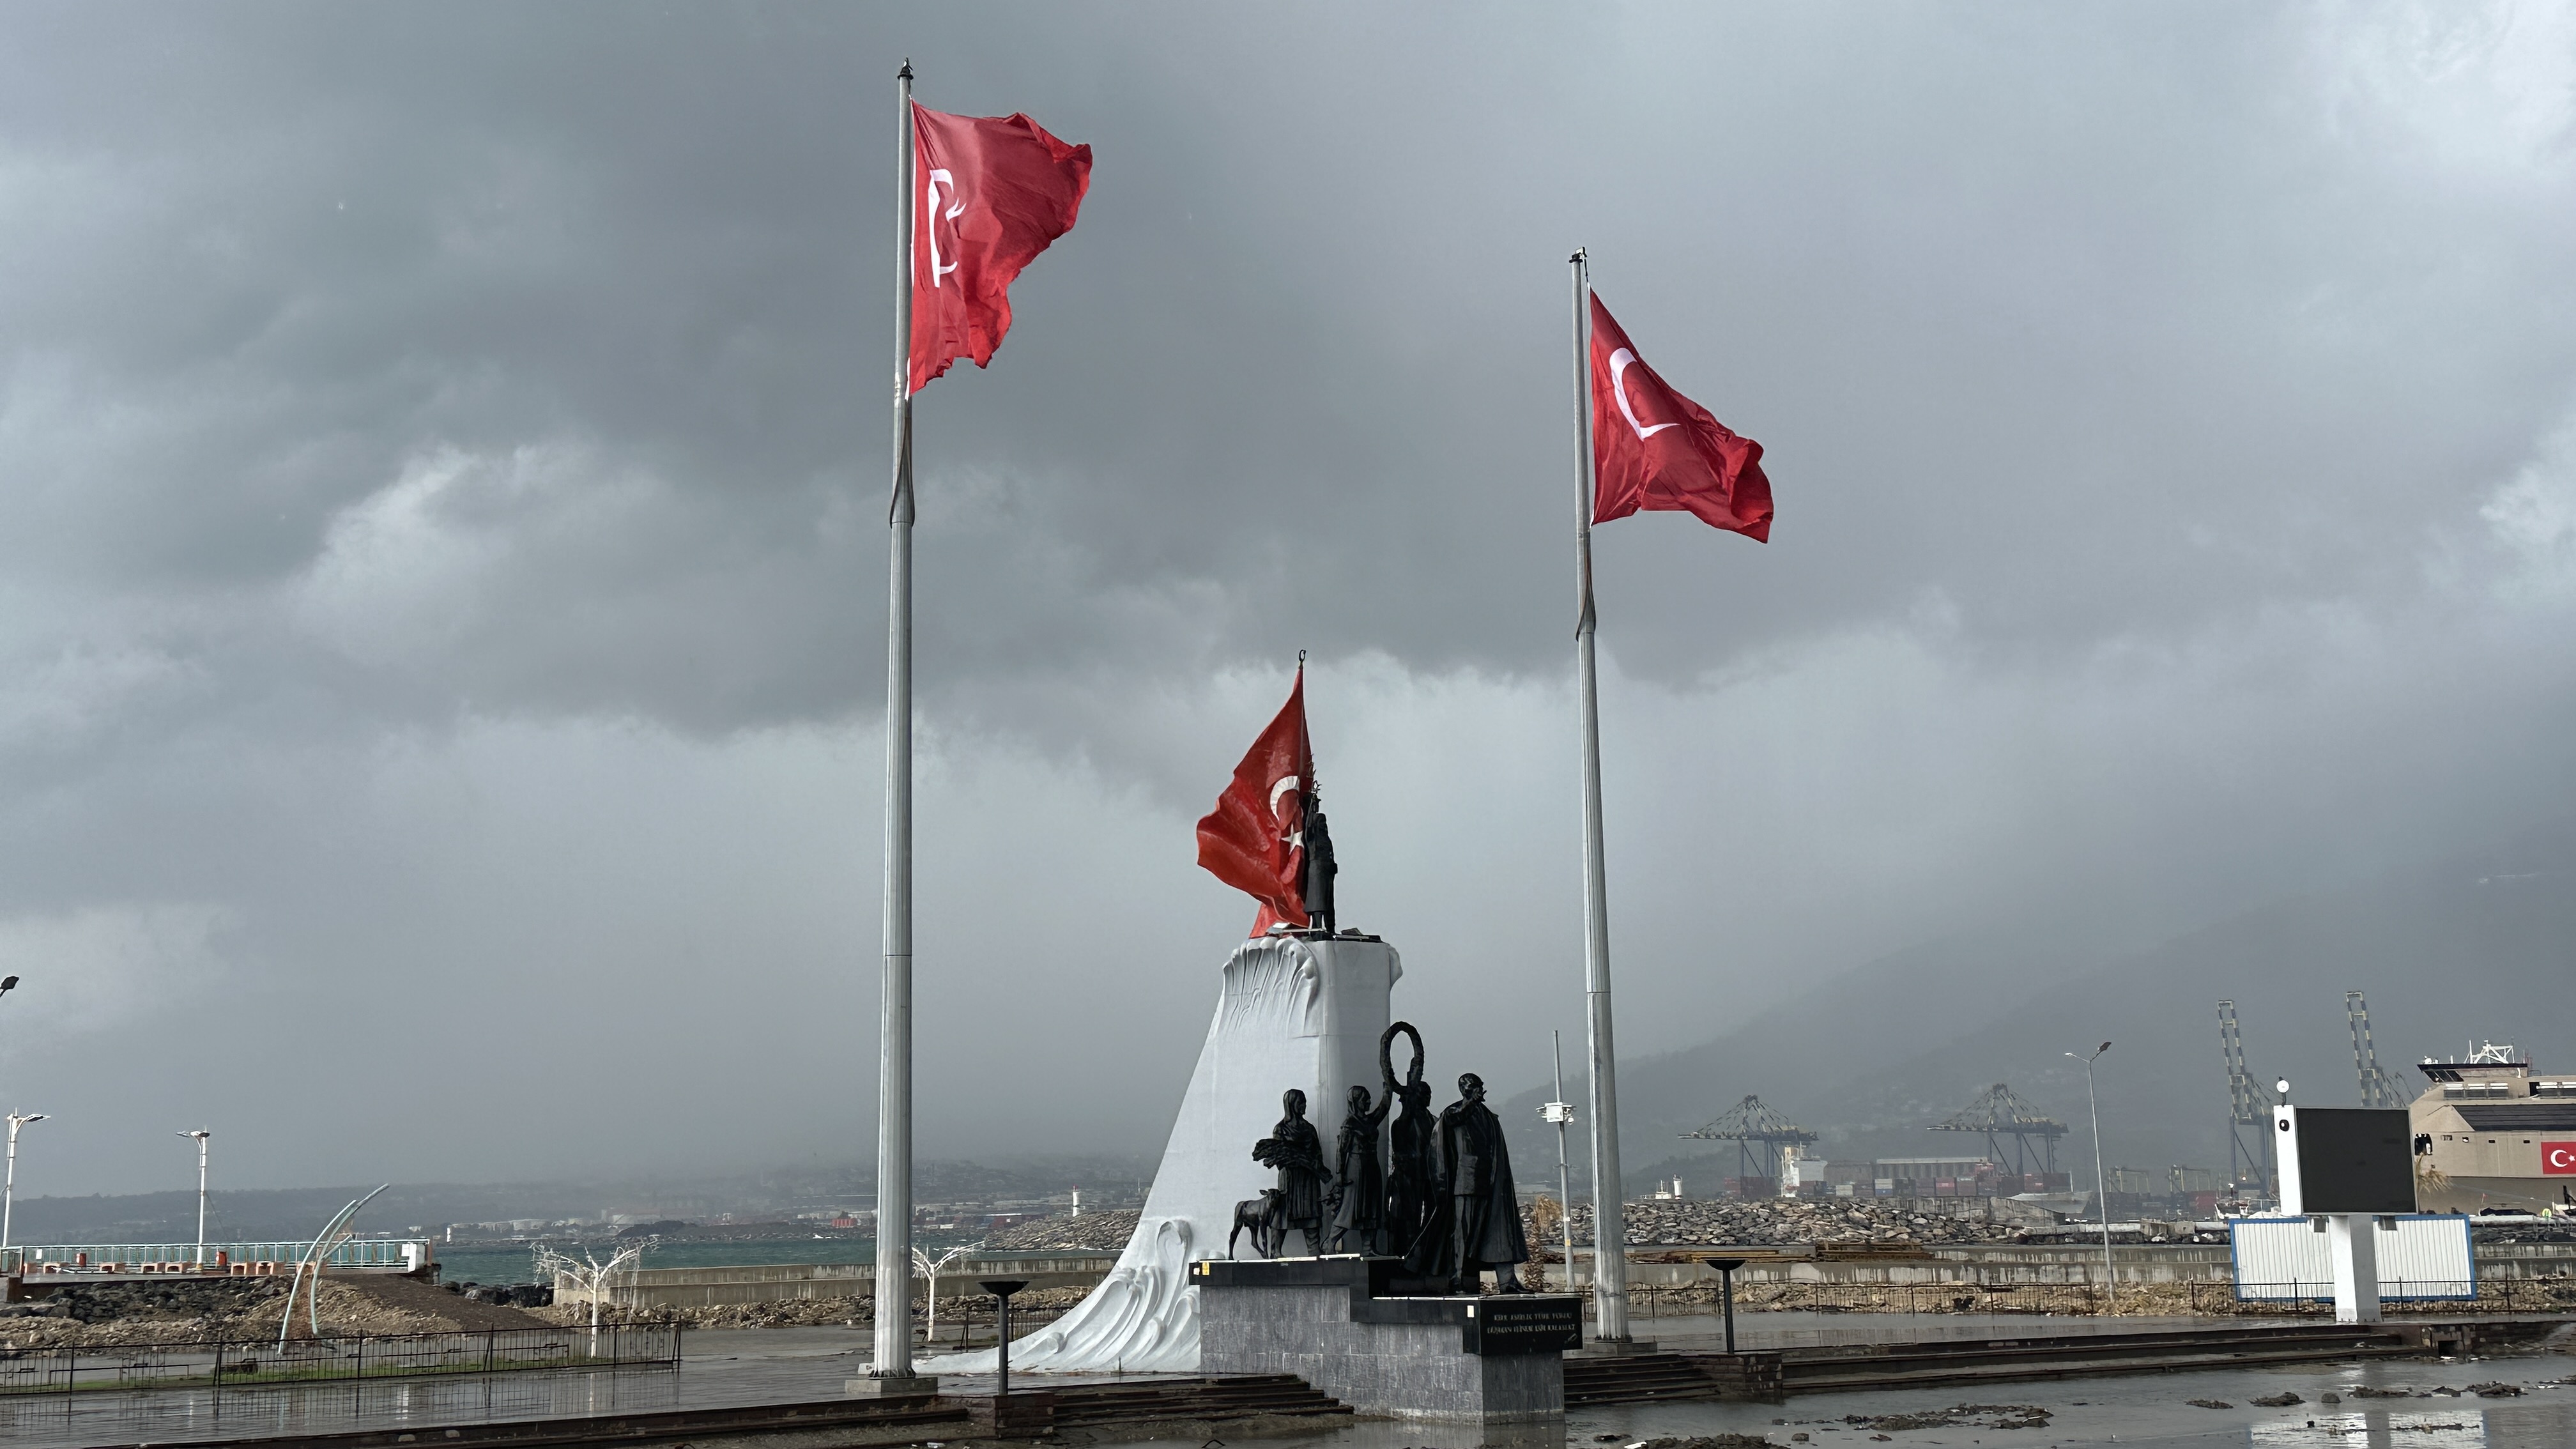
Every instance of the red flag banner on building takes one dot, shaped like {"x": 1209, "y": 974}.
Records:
{"x": 990, "y": 192}
{"x": 1653, "y": 448}
{"x": 1254, "y": 840}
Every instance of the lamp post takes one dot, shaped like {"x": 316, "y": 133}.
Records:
{"x": 201, "y": 1134}
{"x": 1560, "y": 1112}
{"x": 2271, "y": 1143}
{"x": 2101, "y": 1184}
{"x": 1002, "y": 1289}
{"x": 9, "y": 1184}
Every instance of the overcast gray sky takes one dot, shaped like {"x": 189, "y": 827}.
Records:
{"x": 442, "y": 472}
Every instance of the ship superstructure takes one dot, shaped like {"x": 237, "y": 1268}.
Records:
{"x": 2492, "y": 1133}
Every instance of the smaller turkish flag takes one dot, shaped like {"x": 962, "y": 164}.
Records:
{"x": 2558, "y": 1159}
{"x": 990, "y": 193}
{"x": 1656, "y": 449}
{"x": 1254, "y": 840}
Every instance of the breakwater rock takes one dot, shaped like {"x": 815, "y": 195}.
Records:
{"x": 1097, "y": 1232}
{"x": 1777, "y": 1221}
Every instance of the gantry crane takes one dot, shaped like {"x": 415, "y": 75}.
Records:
{"x": 2378, "y": 1089}
{"x": 1997, "y": 1114}
{"x": 1760, "y": 1136}
{"x": 2247, "y": 1108}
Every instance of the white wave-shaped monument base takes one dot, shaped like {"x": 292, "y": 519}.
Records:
{"x": 1294, "y": 1012}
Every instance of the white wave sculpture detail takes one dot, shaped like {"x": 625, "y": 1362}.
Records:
{"x": 1293, "y": 1012}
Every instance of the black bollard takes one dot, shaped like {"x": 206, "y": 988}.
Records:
{"x": 1726, "y": 1280}
{"x": 1002, "y": 1289}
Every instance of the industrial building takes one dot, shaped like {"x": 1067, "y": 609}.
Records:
{"x": 2490, "y": 1133}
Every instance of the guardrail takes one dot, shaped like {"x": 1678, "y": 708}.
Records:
{"x": 742, "y": 1283}
{"x": 2391, "y": 1290}
{"x": 389, "y": 1255}
{"x": 224, "y": 1364}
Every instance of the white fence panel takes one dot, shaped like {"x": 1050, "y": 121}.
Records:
{"x": 2422, "y": 1256}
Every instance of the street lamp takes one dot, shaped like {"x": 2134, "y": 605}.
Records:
{"x": 9, "y": 1184}
{"x": 2101, "y": 1183}
{"x": 1560, "y": 1112}
{"x": 201, "y": 1134}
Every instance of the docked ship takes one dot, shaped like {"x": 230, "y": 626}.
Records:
{"x": 2493, "y": 1135}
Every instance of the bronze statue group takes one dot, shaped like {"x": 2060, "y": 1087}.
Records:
{"x": 1441, "y": 1198}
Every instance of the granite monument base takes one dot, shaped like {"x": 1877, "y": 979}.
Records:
{"x": 891, "y": 1386}
{"x": 1338, "y": 1323}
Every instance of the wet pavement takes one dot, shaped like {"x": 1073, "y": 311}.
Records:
{"x": 2129, "y": 1410}
{"x": 760, "y": 1366}
{"x": 720, "y": 1369}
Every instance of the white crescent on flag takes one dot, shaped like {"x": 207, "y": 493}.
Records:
{"x": 1619, "y": 363}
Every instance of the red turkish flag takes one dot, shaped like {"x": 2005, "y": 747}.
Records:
{"x": 990, "y": 192}
{"x": 2558, "y": 1159}
{"x": 1654, "y": 448}
{"x": 1254, "y": 839}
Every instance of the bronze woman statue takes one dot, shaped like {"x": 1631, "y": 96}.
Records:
{"x": 1359, "y": 1179}
{"x": 1294, "y": 1149}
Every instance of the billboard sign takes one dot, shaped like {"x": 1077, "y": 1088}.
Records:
{"x": 2346, "y": 1159}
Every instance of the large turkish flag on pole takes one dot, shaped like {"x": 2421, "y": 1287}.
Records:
{"x": 1653, "y": 448}
{"x": 990, "y": 193}
{"x": 1254, "y": 840}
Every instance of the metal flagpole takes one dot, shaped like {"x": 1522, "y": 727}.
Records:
{"x": 893, "y": 1345}
{"x": 1609, "y": 1221}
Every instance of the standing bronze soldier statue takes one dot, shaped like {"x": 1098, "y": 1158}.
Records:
{"x": 1484, "y": 1208}
{"x": 1293, "y": 1148}
{"x": 1317, "y": 887}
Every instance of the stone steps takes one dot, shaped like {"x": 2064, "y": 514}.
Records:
{"x": 1638, "y": 1378}
{"x": 1901, "y": 1365}
{"x": 1234, "y": 1396}
{"x": 1655, "y": 1377}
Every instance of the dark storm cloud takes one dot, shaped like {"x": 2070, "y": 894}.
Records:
{"x": 426, "y": 430}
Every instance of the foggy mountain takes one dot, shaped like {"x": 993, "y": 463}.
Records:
{"x": 2472, "y": 948}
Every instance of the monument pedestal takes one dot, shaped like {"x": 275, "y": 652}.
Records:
{"x": 891, "y": 1386}
{"x": 1616, "y": 1348}
{"x": 1293, "y": 1010}
{"x": 1334, "y": 1323}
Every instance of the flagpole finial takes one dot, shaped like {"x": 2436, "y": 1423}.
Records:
{"x": 906, "y": 72}
{"x": 1301, "y": 658}
{"x": 1579, "y": 255}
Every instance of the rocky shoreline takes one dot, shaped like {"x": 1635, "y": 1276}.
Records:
{"x": 1094, "y": 1232}
{"x": 1778, "y": 1222}
{"x": 242, "y": 1310}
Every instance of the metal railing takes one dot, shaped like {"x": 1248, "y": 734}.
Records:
{"x": 2391, "y": 1290}
{"x": 227, "y": 1364}
{"x": 396, "y": 1254}
{"x": 2215, "y": 1297}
